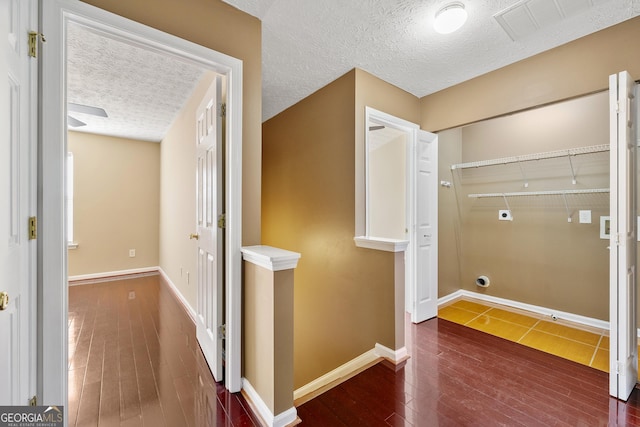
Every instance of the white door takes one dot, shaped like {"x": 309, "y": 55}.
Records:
{"x": 623, "y": 359}
{"x": 424, "y": 242}
{"x": 17, "y": 278}
{"x": 209, "y": 180}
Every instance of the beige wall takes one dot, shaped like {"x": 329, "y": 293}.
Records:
{"x": 574, "y": 69}
{"x": 178, "y": 196}
{"x": 344, "y": 295}
{"x": 116, "y": 201}
{"x": 221, "y": 27}
{"x": 387, "y": 190}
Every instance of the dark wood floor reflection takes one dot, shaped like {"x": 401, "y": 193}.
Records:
{"x": 134, "y": 361}
{"x": 458, "y": 376}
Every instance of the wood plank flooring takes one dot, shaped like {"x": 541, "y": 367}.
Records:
{"x": 458, "y": 376}
{"x": 134, "y": 361}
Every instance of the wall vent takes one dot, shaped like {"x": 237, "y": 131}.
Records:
{"x": 528, "y": 16}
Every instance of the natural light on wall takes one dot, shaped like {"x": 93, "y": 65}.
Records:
{"x": 450, "y": 18}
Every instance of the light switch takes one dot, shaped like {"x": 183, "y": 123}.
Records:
{"x": 585, "y": 217}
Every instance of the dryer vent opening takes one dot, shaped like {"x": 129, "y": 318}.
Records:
{"x": 482, "y": 281}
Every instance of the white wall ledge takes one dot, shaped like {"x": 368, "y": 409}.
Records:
{"x": 271, "y": 258}
{"x": 381, "y": 244}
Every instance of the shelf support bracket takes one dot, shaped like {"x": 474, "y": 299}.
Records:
{"x": 566, "y": 206}
{"x": 524, "y": 176}
{"x": 573, "y": 174}
{"x": 504, "y": 197}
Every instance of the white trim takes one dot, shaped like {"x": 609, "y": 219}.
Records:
{"x": 571, "y": 317}
{"x": 338, "y": 375}
{"x": 281, "y": 420}
{"x": 395, "y": 356}
{"x": 271, "y": 258}
{"x": 381, "y": 244}
{"x": 84, "y": 279}
{"x": 51, "y": 211}
{"x": 351, "y": 368}
{"x": 179, "y": 296}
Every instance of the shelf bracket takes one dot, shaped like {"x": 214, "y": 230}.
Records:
{"x": 573, "y": 174}
{"x": 524, "y": 176}
{"x": 506, "y": 202}
{"x": 566, "y": 206}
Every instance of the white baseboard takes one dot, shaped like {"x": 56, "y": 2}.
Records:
{"x": 571, "y": 317}
{"x": 178, "y": 295}
{"x": 108, "y": 276}
{"x": 347, "y": 371}
{"x": 283, "y": 419}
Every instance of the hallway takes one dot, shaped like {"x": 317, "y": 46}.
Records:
{"x": 134, "y": 361}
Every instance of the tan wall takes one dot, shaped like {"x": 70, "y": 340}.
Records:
{"x": 576, "y": 68}
{"x": 387, "y": 190}
{"x": 344, "y": 295}
{"x": 221, "y": 27}
{"x": 382, "y": 96}
{"x": 178, "y": 196}
{"x": 116, "y": 200}
{"x": 539, "y": 258}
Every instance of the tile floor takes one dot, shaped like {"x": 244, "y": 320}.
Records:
{"x": 588, "y": 347}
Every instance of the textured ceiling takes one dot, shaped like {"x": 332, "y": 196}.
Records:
{"x": 142, "y": 91}
{"x": 309, "y": 43}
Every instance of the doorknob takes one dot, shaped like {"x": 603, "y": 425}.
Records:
{"x": 194, "y": 236}
{"x": 4, "y": 300}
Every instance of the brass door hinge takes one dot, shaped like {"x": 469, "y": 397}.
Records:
{"x": 33, "y": 228}
{"x": 33, "y": 43}
{"x": 222, "y": 222}
{"x": 223, "y": 110}
{"x": 33, "y": 401}
{"x": 222, "y": 332}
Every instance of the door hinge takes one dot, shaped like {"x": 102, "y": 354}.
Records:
{"x": 222, "y": 332}
{"x": 33, "y": 228}
{"x": 222, "y": 222}
{"x": 33, "y": 43}
{"x": 223, "y": 110}
{"x": 33, "y": 401}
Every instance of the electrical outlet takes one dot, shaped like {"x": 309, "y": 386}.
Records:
{"x": 132, "y": 294}
{"x": 132, "y": 253}
{"x": 505, "y": 215}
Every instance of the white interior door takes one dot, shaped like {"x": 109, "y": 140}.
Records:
{"x": 17, "y": 311}
{"x": 209, "y": 180}
{"x": 623, "y": 355}
{"x": 424, "y": 242}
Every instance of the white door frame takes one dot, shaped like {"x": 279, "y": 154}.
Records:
{"x": 411, "y": 130}
{"x": 52, "y": 267}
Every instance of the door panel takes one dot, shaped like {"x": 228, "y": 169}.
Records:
{"x": 425, "y": 239}
{"x": 210, "y": 313}
{"x": 623, "y": 336}
{"x": 17, "y": 352}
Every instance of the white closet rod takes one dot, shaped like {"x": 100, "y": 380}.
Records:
{"x": 535, "y": 156}
{"x": 540, "y": 193}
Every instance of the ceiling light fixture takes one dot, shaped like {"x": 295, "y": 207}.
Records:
{"x": 450, "y": 18}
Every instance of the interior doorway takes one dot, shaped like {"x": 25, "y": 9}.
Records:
{"x": 56, "y": 16}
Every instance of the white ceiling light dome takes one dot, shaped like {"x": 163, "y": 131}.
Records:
{"x": 450, "y": 18}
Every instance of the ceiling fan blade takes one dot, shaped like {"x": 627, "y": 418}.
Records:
{"x": 75, "y": 123}
{"x": 376, "y": 127}
{"x": 86, "y": 109}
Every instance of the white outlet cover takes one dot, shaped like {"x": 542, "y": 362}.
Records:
{"x": 585, "y": 217}
{"x": 505, "y": 215}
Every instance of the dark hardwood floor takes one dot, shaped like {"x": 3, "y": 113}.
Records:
{"x": 458, "y": 376}
{"x": 134, "y": 361}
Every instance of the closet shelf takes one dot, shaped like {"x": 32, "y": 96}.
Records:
{"x": 540, "y": 193}
{"x": 535, "y": 156}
